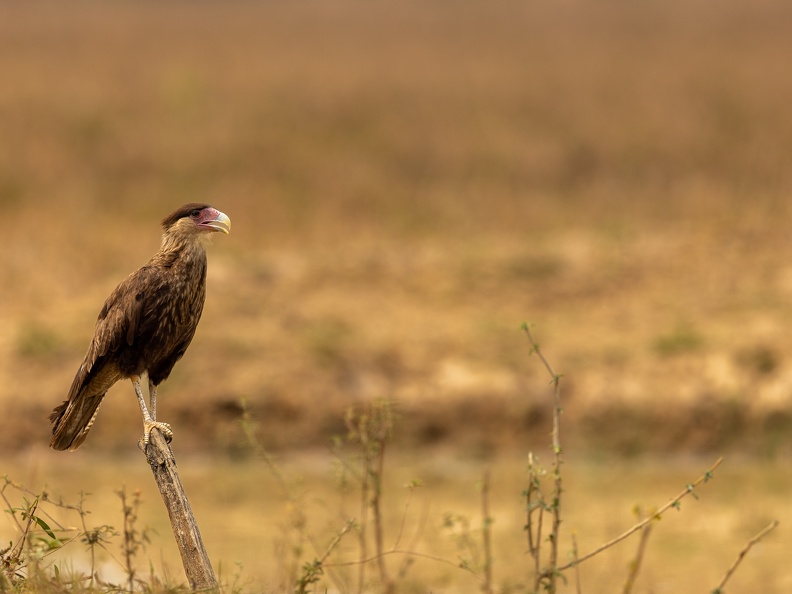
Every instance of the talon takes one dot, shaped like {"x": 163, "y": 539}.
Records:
{"x": 167, "y": 432}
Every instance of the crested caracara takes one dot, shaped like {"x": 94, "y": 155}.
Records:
{"x": 145, "y": 326}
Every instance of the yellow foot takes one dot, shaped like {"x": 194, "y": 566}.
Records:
{"x": 164, "y": 427}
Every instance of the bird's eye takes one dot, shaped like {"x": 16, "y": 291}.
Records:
{"x": 195, "y": 213}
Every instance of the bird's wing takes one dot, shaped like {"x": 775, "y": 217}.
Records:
{"x": 116, "y": 325}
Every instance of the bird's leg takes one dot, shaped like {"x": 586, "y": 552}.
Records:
{"x": 148, "y": 422}
{"x": 152, "y": 400}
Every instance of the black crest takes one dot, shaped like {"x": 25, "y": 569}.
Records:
{"x": 182, "y": 211}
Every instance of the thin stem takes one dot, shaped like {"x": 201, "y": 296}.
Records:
{"x": 772, "y": 526}
{"x": 640, "y": 525}
{"x": 363, "y": 528}
{"x": 249, "y": 431}
{"x": 578, "y": 588}
{"x": 635, "y": 564}
{"x": 537, "y": 560}
{"x": 29, "y": 514}
{"x": 376, "y": 508}
{"x": 414, "y": 542}
{"x": 403, "y": 519}
{"x": 347, "y": 527}
{"x": 486, "y": 536}
{"x": 411, "y": 554}
{"x": 534, "y": 503}
{"x": 552, "y": 570}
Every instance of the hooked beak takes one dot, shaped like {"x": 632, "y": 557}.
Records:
{"x": 220, "y": 223}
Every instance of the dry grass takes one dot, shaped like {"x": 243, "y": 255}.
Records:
{"x": 249, "y": 524}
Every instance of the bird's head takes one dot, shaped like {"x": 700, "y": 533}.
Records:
{"x": 196, "y": 219}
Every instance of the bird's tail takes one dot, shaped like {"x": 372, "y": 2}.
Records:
{"x": 72, "y": 420}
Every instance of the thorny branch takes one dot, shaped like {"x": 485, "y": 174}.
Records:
{"x": 655, "y": 516}
{"x": 551, "y": 573}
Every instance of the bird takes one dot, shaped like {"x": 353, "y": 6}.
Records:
{"x": 144, "y": 327}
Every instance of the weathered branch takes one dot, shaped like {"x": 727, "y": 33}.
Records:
{"x": 194, "y": 558}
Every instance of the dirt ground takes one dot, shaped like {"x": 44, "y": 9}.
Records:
{"x": 408, "y": 183}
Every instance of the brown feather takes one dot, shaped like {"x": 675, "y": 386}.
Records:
{"x": 145, "y": 326}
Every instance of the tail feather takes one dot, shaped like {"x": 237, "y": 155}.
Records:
{"x": 73, "y": 419}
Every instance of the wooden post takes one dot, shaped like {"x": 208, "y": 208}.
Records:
{"x": 194, "y": 558}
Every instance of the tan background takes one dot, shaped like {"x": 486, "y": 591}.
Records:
{"x": 407, "y": 185}
{"x": 409, "y": 182}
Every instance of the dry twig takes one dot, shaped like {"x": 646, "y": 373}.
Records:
{"x": 486, "y": 533}
{"x": 655, "y": 516}
{"x": 578, "y": 588}
{"x": 769, "y": 528}
{"x": 552, "y": 570}
{"x": 635, "y": 564}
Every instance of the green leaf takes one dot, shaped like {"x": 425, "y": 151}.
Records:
{"x": 45, "y": 527}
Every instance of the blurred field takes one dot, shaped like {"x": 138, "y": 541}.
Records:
{"x": 408, "y": 182}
